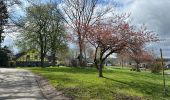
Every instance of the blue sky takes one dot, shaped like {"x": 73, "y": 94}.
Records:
{"x": 153, "y": 13}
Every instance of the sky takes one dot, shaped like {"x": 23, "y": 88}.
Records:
{"x": 153, "y": 13}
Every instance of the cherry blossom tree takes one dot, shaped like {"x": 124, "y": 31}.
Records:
{"x": 139, "y": 55}
{"x": 113, "y": 36}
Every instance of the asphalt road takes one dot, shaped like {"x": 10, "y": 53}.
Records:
{"x": 17, "y": 84}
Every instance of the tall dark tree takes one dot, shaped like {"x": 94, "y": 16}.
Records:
{"x": 5, "y": 57}
{"x": 3, "y": 18}
{"x": 56, "y": 31}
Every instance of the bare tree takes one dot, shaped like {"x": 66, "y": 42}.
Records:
{"x": 78, "y": 12}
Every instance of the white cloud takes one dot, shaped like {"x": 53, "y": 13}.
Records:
{"x": 155, "y": 14}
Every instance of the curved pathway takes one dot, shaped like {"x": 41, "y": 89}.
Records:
{"x": 17, "y": 84}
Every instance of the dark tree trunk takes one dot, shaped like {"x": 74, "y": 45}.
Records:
{"x": 85, "y": 59}
{"x": 53, "y": 58}
{"x": 42, "y": 55}
{"x": 122, "y": 63}
{"x": 101, "y": 69}
{"x": 137, "y": 67}
{"x": 42, "y": 59}
{"x": 95, "y": 59}
{"x": 0, "y": 39}
{"x": 80, "y": 39}
{"x": 96, "y": 64}
{"x": 81, "y": 56}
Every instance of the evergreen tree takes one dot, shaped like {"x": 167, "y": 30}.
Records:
{"x": 3, "y": 18}
{"x": 5, "y": 57}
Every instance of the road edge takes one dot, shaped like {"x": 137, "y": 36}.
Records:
{"x": 48, "y": 91}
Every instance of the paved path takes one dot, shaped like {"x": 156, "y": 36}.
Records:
{"x": 16, "y": 84}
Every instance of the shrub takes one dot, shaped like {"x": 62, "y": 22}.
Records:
{"x": 156, "y": 67}
{"x": 5, "y": 57}
{"x": 74, "y": 63}
{"x": 12, "y": 64}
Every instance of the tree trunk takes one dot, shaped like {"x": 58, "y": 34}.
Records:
{"x": 0, "y": 40}
{"x": 96, "y": 63}
{"x": 85, "y": 59}
{"x": 137, "y": 67}
{"x": 81, "y": 57}
{"x": 122, "y": 63}
{"x": 95, "y": 59}
{"x": 42, "y": 56}
{"x": 53, "y": 58}
{"x": 100, "y": 69}
{"x": 42, "y": 60}
{"x": 80, "y": 49}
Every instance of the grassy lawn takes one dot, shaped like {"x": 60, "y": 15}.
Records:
{"x": 84, "y": 84}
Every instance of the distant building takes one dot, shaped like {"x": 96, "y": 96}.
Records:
{"x": 166, "y": 62}
{"x": 30, "y": 58}
{"x": 111, "y": 61}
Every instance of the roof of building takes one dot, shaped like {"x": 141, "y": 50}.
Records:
{"x": 19, "y": 55}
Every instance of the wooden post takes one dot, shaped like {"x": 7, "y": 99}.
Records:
{"x": 163, "y": 73}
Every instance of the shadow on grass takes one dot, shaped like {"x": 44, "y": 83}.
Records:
{"x": 137, "y": 74}
{"x": 149, "y": 88}
{"x": 141, "y": 82}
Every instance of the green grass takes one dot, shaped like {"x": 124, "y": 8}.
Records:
{"x": 84, "y": 83}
